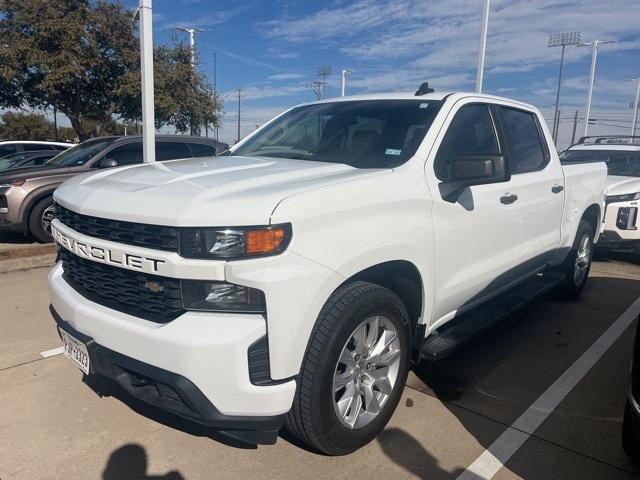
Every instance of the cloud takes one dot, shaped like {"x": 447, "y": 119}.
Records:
{"x": 286, "y": 76}
{"x": 210, "y": 19}
{"x": 249, "y": 60}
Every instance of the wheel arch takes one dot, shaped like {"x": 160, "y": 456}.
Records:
{"x": 593, "y": 216}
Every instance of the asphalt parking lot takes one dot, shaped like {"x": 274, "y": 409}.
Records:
{"x": 53, "y": 426}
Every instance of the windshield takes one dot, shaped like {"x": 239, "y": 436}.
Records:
{"x": 363, "y": 134}
{"x": 80, "y": 154}
{"x": 619, "y": 162}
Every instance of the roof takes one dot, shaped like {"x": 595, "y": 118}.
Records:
{"x": 435, "y": 96}
{"x": 36, "y": 142}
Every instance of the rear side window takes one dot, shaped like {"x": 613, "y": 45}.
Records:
{"x": 526, "y": 153}
{"x": 202, "y": 150}
{"x": 7, "y": 149}
{"x": 127, "y": 154}
{"x": 171, "y": 151}
{"x": 32, "y": 147}
{"x": 470, "y": 133}
{"x": 57, "y": 147}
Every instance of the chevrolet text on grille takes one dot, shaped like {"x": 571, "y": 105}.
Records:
{"x": 105, "y": 255}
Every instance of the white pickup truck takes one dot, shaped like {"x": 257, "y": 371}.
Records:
{"x": 297, "y": 279}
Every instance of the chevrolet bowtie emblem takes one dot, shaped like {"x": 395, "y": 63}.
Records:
{"x": 154, "y": 287}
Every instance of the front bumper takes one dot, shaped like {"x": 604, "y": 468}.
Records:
{"x": 198, "y": 352}
{"x": 621, "y": 223}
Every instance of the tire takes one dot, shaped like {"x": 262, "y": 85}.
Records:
{"x": 40, "y": 220}
{"x": 315, "y": 417}
{"x": 577, "y": 265}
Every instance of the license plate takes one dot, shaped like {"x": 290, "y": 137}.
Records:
{"x": 76, "y": 351}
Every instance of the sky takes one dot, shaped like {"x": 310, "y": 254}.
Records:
{"x": 273, "y": 48}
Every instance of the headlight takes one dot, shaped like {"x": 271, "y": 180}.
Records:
{"x": 234, "y": 243}
{"x": 13, "y": 183}
{"x": 623, "y": 198}
{"x": 221, "y": 297}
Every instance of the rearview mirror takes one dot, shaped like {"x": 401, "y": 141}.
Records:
{"x": 469, "y": 170}
{"x": 107, "y": 163}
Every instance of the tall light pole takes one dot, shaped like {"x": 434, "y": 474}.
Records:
{"x": 635, "y": 108}
{"x": 483, "y": 45}
{"x": 561, "y": 40}
{"x": 146, "y": 69}
{"x": 345, "y": 73}
{"x": 192, "y": 42}
{"x": 594, "y": 55}
{"x": 239, "y": 96}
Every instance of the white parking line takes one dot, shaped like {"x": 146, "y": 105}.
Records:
{"x": 52, "y": 352}
{"x": 503, "y": 448}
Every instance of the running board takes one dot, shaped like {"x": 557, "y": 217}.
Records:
{"x": 454, "y": 333}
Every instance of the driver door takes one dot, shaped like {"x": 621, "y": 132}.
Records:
{"x": 475, "y": 235}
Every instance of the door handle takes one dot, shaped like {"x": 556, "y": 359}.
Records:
{"x": 557, "y": 188}
{"x": 508, "y": 198}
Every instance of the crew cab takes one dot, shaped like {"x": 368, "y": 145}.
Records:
{"x": 297, "y": 278}
{"x": 621, "y": 153}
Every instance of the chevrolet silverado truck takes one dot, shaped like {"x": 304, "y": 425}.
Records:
{"x": 296, "y": 279}
{"x": 621, "y": 153}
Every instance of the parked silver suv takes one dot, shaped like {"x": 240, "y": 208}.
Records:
{"x": 26, "y": 203}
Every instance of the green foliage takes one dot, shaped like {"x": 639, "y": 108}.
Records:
{"x": 83, "y": 57}
{"x": 26, "y": 126}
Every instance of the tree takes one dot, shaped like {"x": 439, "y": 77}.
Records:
{"x": 26, "y": 126}
{"x": 83, "y": 57}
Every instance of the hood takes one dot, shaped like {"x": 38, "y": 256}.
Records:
{"x": 617, "y": 185}
{"x": 31, "y": 172}
{"x": 218, "y": 191}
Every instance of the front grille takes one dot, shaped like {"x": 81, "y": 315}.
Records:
{"x": 138, "y": 234}
{"x": 3, "y": 201}
{"x": 123, "y": 290}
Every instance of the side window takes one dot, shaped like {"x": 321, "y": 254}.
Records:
{"x": 202, "y": 150}
{"x": 470, "y": 133}
{"x": 126, "y": 154}
{"x": 7, "y": 149}
{"x": 526, "y": 153}
{"x": 171, "y": 151}
{"x": 33, "y": 147}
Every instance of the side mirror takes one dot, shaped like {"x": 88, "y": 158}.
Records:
{"x": 469, "y": 170}
{"x": 107, "y": 163}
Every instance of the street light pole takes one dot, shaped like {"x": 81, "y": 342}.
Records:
{"x": 635, "y": 108}
{"x": 239, "y": 96}
{"x": 561, "y": 40}
{"x": 146, "y": 69}
{"x": 594, "y": 55}
{"x": 192, "y": 42}
{"x": 483, "y": 46}
{"x": 345, "y": 73}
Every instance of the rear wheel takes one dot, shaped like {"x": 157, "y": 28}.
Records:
{"x": 40, "y": 220}
{"x": 354, "y": 370}
{"x": 577, "y": 265}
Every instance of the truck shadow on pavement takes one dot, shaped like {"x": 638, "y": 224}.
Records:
{"x": 489, "y": 382}
{"x": 130, "y": 462}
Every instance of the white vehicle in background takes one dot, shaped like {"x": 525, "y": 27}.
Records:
{"x": 296, "y": 279}
{"x": 621, "y": 153}
{"x": 8, "y": 147}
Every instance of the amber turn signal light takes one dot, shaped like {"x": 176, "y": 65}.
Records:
{"x": 260, "y": 242}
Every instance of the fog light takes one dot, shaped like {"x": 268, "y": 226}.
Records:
{"x": 221, "y": 297}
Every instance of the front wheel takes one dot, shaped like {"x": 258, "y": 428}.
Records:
{"x": 577, "y": 265}
{"x": 40, "y": 220}
{"x": 354, "y": 370}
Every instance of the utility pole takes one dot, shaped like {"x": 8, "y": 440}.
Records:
{"x": 594, "y": 55}
{"x": 55, "y": 122}
{"x": 561, "y": 40}
{"x": 556, "y": 123}
{"x": 192, "y": 42}
{"x": 345, "y": 73}
{"x": 146, "y": 69}
{"x": 239, "y": 96}
{"x": 575, "y": 125}
{"x": 215, "y": 94}
{"x": 483, "y": 46}
{"x": 635, "y": 108}
{"x": 324, "y": 72}
{"x": 316, "y": 86}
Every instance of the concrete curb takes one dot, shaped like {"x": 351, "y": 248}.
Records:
{"x": 26, "y": 263}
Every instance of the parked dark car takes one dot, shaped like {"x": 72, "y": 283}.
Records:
{"x": 26, "y": 202}
{"x": 631, "y": 425}
{"x": 27, "y": 159}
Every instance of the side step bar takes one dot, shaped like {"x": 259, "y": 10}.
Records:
{"x": 445, "y": 340}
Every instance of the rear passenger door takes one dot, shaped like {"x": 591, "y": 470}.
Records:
{"x": 538, "y": 183}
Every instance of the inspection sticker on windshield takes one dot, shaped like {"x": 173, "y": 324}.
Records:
{"x": 392, "y": 151}
{"x": 424, "y": 105}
